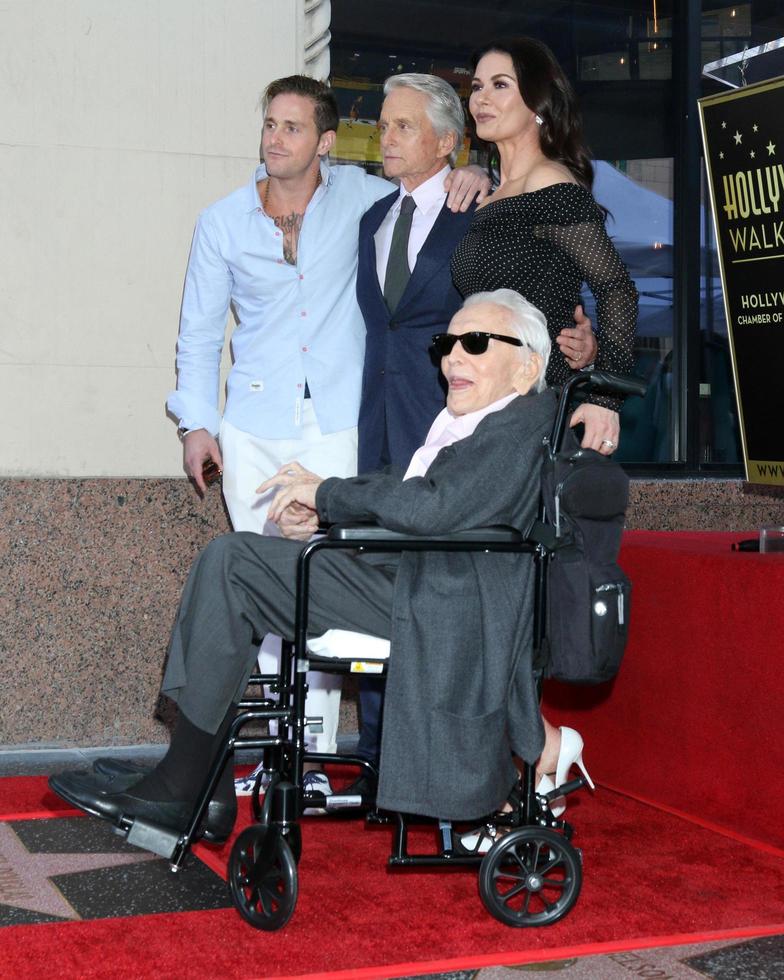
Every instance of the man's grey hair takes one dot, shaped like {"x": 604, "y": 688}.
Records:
{"x": 528, "y": 324}
{"x": 444, "y": 108}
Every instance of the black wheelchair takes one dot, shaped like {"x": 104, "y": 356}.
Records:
{"x": 530, "y": 876}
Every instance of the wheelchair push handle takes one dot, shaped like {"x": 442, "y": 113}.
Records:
{"x": 597, "y": 380}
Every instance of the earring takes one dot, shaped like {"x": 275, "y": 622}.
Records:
{"x": 538, "y": 120}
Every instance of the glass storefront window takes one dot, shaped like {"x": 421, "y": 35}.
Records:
{"x": 638, "y": 194}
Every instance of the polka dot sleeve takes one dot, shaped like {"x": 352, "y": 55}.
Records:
{"x": 593, "y": 254}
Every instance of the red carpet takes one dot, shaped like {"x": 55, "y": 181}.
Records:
{"x": 651, "y": 878}
{"x": 693, "y": 720}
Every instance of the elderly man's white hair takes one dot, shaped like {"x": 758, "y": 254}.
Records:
{"x": 528, "y": 323}
{"x": 444, "y": 108}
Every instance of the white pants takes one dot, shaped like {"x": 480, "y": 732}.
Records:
{"x": 247, "y": 462}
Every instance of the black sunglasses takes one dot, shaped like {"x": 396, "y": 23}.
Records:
{"x": 473, "y": 342}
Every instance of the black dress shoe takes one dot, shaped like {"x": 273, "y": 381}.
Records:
{"x": 221, "y": 817}
{"x": 119, "y": 777}
{"x": 84, "y": 792}
{"x": 116, "y": 767}
{"x": 221, "y": 814}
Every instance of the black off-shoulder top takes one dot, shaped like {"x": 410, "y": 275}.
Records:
{"x": 545, "y": 244}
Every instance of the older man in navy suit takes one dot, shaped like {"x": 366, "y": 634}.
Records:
{"x": 404, "y": 286}
{"x": 405, "y": 292}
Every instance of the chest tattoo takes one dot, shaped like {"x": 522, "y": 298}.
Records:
{"x": 290, "y": 225}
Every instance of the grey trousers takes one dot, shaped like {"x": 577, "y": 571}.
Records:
{"x": 241, "y": 587}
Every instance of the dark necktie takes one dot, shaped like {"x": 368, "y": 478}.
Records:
{"x": 398, "y": 272}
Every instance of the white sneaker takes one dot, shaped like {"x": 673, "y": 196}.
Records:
{"x": 315, "y": 781}
{"x": 243, "y": 785}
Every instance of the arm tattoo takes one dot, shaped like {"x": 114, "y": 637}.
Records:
{"x": 290, "y": 225}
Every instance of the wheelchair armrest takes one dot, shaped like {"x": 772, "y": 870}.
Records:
{"x": 372, "y": 533}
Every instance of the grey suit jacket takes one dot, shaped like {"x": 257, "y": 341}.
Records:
{"x": 460, "y": 692}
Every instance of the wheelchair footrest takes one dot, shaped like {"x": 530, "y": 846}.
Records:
{"x": 153, "y": 837}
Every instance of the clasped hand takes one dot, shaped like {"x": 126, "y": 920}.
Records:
{"x": 293, "y": 507}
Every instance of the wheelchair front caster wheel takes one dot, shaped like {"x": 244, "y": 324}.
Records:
{"x": 294, "y": 840}
{"x": 263, "y": 878}
{"x": 530, "y": 877}
{"x": 260, "y": 802}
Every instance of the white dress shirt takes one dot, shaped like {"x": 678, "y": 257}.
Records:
{"x": 429, "y": 198}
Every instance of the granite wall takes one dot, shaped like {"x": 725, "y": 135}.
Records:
{"x": 91, "y": 570}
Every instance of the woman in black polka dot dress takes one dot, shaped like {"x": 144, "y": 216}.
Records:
{"x": 541, "y": 233}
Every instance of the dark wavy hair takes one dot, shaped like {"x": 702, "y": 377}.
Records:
{"x": 325, "y": 105}
{"x": 547, "y": 92}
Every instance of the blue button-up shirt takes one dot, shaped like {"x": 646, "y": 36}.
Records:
{"x": 294, "y": 323}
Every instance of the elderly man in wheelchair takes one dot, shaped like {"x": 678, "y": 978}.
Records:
{"x": 461, "y": 693}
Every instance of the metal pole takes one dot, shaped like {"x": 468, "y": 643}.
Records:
{"x": 686, "y": 271}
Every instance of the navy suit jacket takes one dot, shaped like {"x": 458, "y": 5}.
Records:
{"x": 402, "y": 389}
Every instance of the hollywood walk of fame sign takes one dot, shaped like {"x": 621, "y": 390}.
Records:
{"x": 743, "y": 137}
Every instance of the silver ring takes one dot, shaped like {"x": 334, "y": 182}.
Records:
{"x": 608, "y": 442}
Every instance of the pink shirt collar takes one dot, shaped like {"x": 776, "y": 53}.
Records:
{"x": 447, "y": 429}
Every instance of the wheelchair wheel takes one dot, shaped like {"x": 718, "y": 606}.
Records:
{"x": 530, "y": 877}
{"x": 263, "y": 878}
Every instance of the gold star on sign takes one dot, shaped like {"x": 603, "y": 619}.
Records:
{"x": 755, "y": 127}
{"x": 737, "y": 137}
{"x": 723, "y": 125}
{"x": 721, "y": 155}
{"x": 771, "y": 148}
{"x": 752, "y": 154}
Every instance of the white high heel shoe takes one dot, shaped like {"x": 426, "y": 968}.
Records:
{"x": 569, "y": 754}
{"x": 545, "y": 785}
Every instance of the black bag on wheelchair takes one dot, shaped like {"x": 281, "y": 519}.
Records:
{"x": 585, "y": 497}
